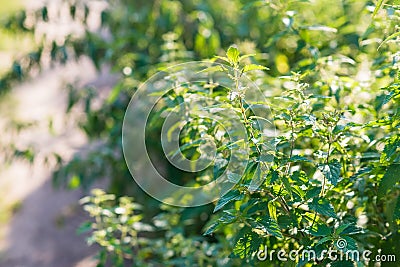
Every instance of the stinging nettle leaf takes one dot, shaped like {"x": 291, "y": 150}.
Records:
{"x": 234, "y": 177}
{"x": 271, "y": 226}
{"x": 246, "y": 56}
{"x": 396, "y": 213}
{"x": 377, "y": 7}
{"x": 247, "y": 244}
{"x": 320, "y": 28}
{"x": 233, "y": 55}
{"x": 394, "y": 35}
{"x": 332, "y": 171}
{"x": 253, "y": 67}
{"x": 320, "y": 230}
{"x": 390, "y": 178}
{"x": 323, "y": 207}
{"x": 298, "y": 158}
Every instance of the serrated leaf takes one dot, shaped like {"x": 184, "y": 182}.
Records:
{"x": 252, "y": 67}
{"x": 377, "y": 7}
{"x": 313, "y": 192}
{"x": 271, "y": 226}
{"x": 228, "y": 197}
{"x": 396, "y": 213}
{"x": 320, "y": 230}
{"x": 298, "y": 191}
{"x": 285, "y": 221}
{"x": 298, "y": 158}
{"x": 394, "y": 35}
{"x": 234, "y": 177}
{"x": 390, "y": 178}
{"x": 286, "y": 183}
{"x": 350, "y": 229}
{"x": 346, "y": 243}
{"x": 272, "y": 210}
{"x": 300, "y": 176}
{"x": 227, "y": 218}
{"x": 214, "y": 69}
{"x": 246, "y": 56}
{"x": 391, "y": 146}
{"x": 84, "y": 227}
{"x": 324, "y": 240}
{"x": 320, "y": 28}
{"x": 332, "y": 171}
{"x": 323, "y": 207}
{"x": 233, "y": 55}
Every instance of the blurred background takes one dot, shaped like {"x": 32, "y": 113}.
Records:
{"x": 69, "y": 67}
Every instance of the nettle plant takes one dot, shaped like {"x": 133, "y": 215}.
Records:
{"x": 325, "y": 173}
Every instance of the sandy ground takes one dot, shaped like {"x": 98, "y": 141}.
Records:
{"x": 40, "y": 230}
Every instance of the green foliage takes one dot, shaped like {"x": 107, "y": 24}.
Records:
{"x": 119, "y": 227}
{"x": 333, "y": 87}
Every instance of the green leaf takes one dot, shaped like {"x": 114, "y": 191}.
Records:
{"x": 214, "y": 69}
{"x": 187, "y": 146}
{"x": 272, "y": 210}
{"x": 298, "y": 191}
{"x": 377, "y": 7}
{"x": 313, "y": 192}
{"x": 265, "y": 158}
{"x": 271, "y": 226}
{"x": 394, "y": 35}
{"x": 286, "y": 221}
{"x": 274, "y": 176}
{"x": 84, "y": 227}
{"x": 246, "y": 56}
{"x": 396, "y": 213}
{"x": 227, "y": 218}
{"x": 287, "y": 184}
{"x": 298, "y": 158}
{"x": 249, "y": 243}
{"x": 233, "y": 177}
{"x": 301, "y": 177}
{"x": 319, "y": 28}
{"x": 320, "y": 230}
{"x": 252, "y": 67}
{"x": 332, "y": 171}
{"x": 233, "y": 55}
{"x": 390, "y": 178}
{"x": 75, "y": 182}
{"x": 323, "y": 207}
{"x": 324, "y": 240}
{"x": 346, "y": 243}
{"x": 212, "y": 228}
{"x": 225, "y": 199}
{"x": 222, "y": 58}
{"x": 342, "y": 263}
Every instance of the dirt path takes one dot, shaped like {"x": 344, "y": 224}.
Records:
{"x": 41, "y": 232}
